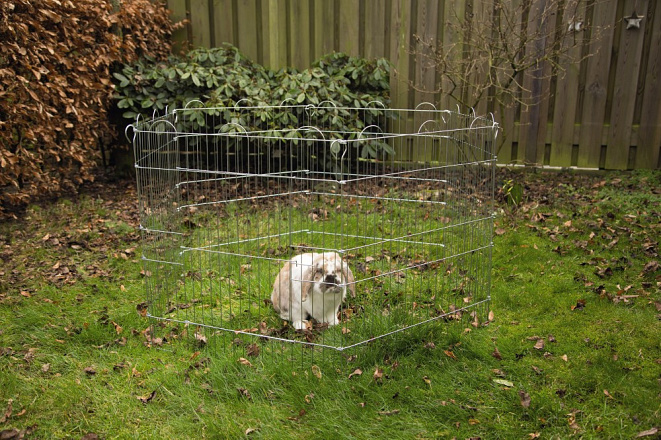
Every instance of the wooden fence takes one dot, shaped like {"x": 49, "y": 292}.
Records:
{"x": 604, "y": 112}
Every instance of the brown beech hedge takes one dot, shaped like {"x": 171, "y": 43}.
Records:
{"x": 56, "y": 63}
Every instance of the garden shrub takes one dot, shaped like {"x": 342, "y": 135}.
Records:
{"x": 224, "y": 78}
{"x": 56, "y": 60}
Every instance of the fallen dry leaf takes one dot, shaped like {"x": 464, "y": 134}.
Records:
{"x": 244, "y": 393}
{"x": 525, "y": 399}
{"x": 201, "y": 339}
{"x": 118, "y": 328}
{"x": 503, "y": 382}
{"x": 580, "y": 305}
{"x": 356, "y": 372}
{"x": 539, "y": 345}
{"x": 148, "y": 398}
{"x": 11, "y": 434}
{"x": 648, "y": 433}
{"x": 316, "y": 371}
{"x": 244, "y": 361}
{"x": 142, "y": 309}
{"x": 476, "y": 320}
{"x": 301, "y": 413}
{"x": 378, "y": 374}
{"x": 652, "y": 266}
{"x": 392, "y": 412}
{"x": 572, "y": 421}
{"x": 498, "y": 372}
{"x": 252, "y": 350}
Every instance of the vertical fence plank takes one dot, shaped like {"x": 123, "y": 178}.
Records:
{"x": 482, "y": 16}
{"x": 349, "y": 27}
{"x": 649, "y": 134}
{"x": 537, "y": 85}
{"x": 299, "y": 25}
{"x": 506, "y": 111}
{"x": 626, "y": 75}
{"x": 566, "y": 96}
{"x": 596, "y": 85}
{"x": 324, "y": 27}
{"x": 424, "y": 69}
{"x": 199, "y": 18}
{"x": 454, "y": 13}
{"x": 375, "y": 33}
{"x": 248, "y": 22}
{"x": 178, "y": 8}
{"x": 423, "y": 72}
{"x": 400, "y": 43}
{"x": 276, "y": 39}
{"x": 400, "y": 22}
{"x": 224, "y": 24}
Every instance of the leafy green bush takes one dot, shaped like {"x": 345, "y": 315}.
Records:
{"x": 224, "y": 78}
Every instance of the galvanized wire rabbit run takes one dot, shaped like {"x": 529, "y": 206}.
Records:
{"x": 319, "y": 226}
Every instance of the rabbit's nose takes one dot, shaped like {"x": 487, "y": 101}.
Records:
{"x": 330, "y": 279}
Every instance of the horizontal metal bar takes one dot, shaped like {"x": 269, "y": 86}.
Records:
{"x": 243, "y": 199}
{"x": 158, "y": 231}
{"x": 161, "y": 261}
{"x": 242, "y": 332}
{"x": 247, "y": 240}
{"x": 426, "y": 321}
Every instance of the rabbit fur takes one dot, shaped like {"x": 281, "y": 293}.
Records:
{"x": 312, "y": 285}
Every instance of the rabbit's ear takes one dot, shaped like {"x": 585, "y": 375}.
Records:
{"x": 281, "y": 294}
{"x": 349, "y": 279}
{"x": 307, "y": 280}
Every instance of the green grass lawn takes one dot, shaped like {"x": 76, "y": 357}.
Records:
{"x": 573, "y": 350}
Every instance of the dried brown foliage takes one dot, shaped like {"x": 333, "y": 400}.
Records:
{"x": 56, "y": 61}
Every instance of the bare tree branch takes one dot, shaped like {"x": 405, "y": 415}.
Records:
{"x": 501, "y": 43}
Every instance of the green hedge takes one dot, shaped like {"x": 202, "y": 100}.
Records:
{"x": 223, "y": 77}
{"x": 224, "y": 82}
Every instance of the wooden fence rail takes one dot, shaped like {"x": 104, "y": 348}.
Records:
{"x": 604, "y": 112}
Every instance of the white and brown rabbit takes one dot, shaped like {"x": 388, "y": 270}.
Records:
{"x": 312, "y": 285}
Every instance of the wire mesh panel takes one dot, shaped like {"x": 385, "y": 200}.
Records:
{"x": 324, "y": 226}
